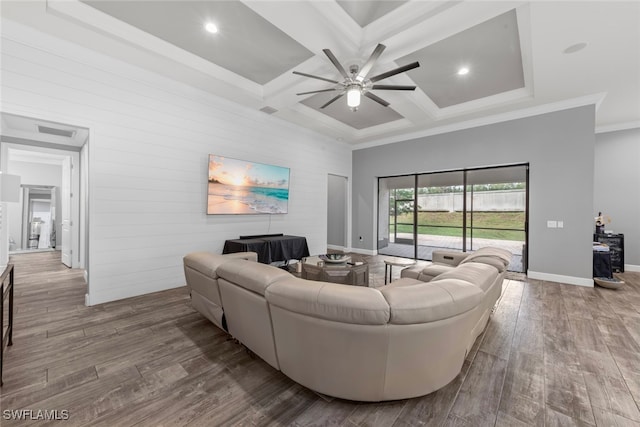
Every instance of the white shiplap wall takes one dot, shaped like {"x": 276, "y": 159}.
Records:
{"x": 149, "y": 141}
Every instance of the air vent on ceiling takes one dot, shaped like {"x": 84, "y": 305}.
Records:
{"x": 57, "y": 132}
{"x": 268, "y": 110}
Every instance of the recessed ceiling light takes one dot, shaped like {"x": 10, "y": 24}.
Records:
{"x": 463, "y": 71}
{"x": 211, "y": 27}
{"x": 575, "y": 47}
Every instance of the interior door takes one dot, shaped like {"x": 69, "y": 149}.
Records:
{"x": 65, "y": 204}
{"x": 337, "y": 211}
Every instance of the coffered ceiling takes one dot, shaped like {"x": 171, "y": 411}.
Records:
{"x": 522, "y": 57}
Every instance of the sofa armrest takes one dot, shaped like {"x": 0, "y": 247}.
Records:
{"x": 452, "y": 258}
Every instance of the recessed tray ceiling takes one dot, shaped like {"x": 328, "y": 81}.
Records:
{"x": 365, "y": 12}
{"x": 491, "y": 51}
{"x": 516, "y": 53}
{"x": 369, "y": 114}
{"x": 246, "y": 43}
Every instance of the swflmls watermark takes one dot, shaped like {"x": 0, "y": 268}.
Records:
{"x": 36, "y": 414}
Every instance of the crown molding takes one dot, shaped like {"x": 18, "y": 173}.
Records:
{"x": 594, "y": 99}
{"x": 618, "y": 126}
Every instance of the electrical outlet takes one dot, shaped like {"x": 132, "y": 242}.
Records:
{"x": 552, "y": 224}
{"x": 560, "y": 224}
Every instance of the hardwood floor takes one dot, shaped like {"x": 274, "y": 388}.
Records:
{"x": 551, "y": 355}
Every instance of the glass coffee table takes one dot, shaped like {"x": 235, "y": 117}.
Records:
{"x": 345, "y": 273}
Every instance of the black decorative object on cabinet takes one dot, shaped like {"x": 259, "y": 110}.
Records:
{"x": 616, "y": 248}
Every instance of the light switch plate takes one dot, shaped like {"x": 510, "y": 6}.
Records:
{"x": 560, "y": 224}
{"x": 552, "y": 224}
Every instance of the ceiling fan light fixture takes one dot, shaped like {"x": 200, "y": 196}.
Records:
{"x": 353, "y": 96}
{"x": 359, "y": 83}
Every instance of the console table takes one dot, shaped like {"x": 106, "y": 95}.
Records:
{"x": 270, "y": 248}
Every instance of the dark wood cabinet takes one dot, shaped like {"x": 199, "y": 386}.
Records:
{"x": 616, "y": 249}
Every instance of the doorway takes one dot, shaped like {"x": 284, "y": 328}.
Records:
{"x": 337, "y": 209}
{"x": 38, "y": 223}
{"x": 46, "y": 156}
{"x": 41, "y": 219}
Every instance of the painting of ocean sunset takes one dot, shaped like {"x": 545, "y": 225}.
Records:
{"x": 242, "y": 187}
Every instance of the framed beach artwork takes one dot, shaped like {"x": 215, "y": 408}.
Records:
{"x": 239, "y": 187}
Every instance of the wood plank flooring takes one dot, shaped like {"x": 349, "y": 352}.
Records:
{"x": 551, "y": 355}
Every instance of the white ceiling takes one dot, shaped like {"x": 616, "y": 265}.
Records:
{"x": 515, "y": 52}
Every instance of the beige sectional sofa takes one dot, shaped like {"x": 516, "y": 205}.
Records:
{"x": 369, "y": 344}
{"x": 202, "y": 280}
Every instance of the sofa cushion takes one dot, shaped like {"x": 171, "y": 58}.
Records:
{"x": 431, "y": 301}
{"x": 252, "y": 276}
{"x": 480, "y": 275}
{"x": 429, "y": 272}
{"x": 411, "y": 272}
{"x": 496, "y": 257}
{"x": 405, "y": 281}
{"x": 330, "y": 301}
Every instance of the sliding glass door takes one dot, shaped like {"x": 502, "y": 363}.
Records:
{"x": 397, "y": 203}
{"x": 440, "y": 205}
{"x": 459, "y": 210}
{"x": 497, "y": 211}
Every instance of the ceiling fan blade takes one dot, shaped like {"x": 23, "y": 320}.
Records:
{"x": 393, "y": 87}
{"x": 332, "y": 100}
{"x": 372, "y": 60}
{"x": 377, "y": 99}
{"x": 335, "y": 62}
{"x": 395, "y": 71}
{"x": 315, "y": 77}
{"x": 318, "y": 91}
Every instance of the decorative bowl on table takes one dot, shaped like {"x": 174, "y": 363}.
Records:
{"x": 335, "y": 258}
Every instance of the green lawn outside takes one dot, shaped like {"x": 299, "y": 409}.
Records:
{"x": 513, "y": 220}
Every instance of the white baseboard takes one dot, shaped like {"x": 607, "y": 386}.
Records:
{"x": 122, "y": 293}
{"x": 354, "y": 250}
{"x": 569, "y": 280}
{"x": 631, "y": 267}
{"x": 364, "y": 251}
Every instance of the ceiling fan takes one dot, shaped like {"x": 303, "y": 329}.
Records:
{"x": 357, "y": 83}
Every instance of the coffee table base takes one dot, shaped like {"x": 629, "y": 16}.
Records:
{"x": 356, "y": 275}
